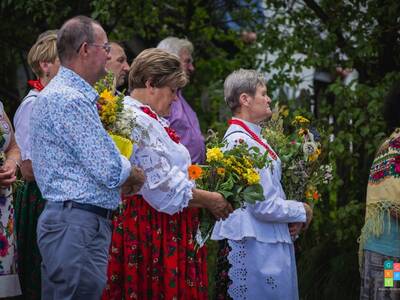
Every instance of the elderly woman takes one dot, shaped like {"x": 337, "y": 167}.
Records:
{"x": 9, "y": 161}
{"x": 43, "y": 60}
{"x": 152, "y": 252}
{"x": 258, "y": 243}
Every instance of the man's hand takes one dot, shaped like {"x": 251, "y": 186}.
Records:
{"x": 135, "y": 181}
{"x": 219, "y": 207}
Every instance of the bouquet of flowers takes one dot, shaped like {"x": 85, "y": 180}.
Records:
{"x": 233, "y": 173}
{"x": 303, "y": 171}
{"x": 116, "y": 119}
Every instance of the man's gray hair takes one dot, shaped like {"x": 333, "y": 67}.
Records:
{"x": 239, "y": 82}
{"x": 73, "y": 34}
{"x": 175, "y": 45}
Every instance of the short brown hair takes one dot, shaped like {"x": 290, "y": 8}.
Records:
{"x": 44, "y": 50}
{"x": 73, "y": 34}
{"x": 157, "y": 66}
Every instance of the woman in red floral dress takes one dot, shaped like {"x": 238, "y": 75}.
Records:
{"x": 152, "y": 252}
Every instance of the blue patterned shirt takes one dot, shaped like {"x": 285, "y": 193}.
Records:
{"x": 73, "y": 157}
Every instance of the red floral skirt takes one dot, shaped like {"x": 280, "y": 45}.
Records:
{"x": 152, "y": 255}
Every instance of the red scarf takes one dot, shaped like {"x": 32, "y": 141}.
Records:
{"x": 254, "y": 136}
{"x": 172, "y": 134}
{"x": 36, "y": 84}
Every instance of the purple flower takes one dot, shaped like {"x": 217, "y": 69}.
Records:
{"x": 317, "y": 136}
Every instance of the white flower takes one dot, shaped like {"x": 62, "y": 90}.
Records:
{"x": 309, "y": 148}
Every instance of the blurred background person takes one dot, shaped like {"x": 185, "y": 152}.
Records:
{"x": 43, "y": 59}
{"x": 118, "y": 64}
{"x": 152, "y": 255}
{"x": 182, "y": 117}
{"x": 9, "y": 162}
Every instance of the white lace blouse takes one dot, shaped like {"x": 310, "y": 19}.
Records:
{"x": 167, "y": 187}
{"x": 266, "y": 221}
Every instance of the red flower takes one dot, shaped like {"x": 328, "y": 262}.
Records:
{"x": 3, "y": 246}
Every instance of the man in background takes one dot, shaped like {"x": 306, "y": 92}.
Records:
{"x": 118, "y": 64}
{"x": 182, "y": 117}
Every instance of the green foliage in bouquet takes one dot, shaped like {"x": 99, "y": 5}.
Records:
{"x": 300, "y": 152}
{"x": 231, "y": 172}
{"x": 118, "y": 120}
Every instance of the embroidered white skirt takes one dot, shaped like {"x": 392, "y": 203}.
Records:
{"x": 262, "y": 270}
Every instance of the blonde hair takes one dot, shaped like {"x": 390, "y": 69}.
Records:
{"x": 44, "y": 50}
{"x": 157, "y": 66}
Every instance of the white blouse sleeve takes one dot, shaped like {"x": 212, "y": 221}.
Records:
{"x": 22, "y": 126}
{"x": 167, "y": 187}
{"x": 274, "y": 208}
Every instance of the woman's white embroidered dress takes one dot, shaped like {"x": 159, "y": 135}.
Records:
{"x": 167, "y": 187}
{"x": 262, "y": 258}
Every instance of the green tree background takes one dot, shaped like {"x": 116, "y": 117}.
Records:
{"x": 358, "y": 34}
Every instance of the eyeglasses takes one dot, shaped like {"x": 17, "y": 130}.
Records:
{"x": 105, "y": 46}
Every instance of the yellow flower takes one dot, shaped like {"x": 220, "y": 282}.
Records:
{"x": 284, "y": 111}
{"x": 315, "y": 155}
{"x": 251, "y": 176}
{"x": 312, "y": 194}
{"x": 300, "y": 120}
{"x": 107, "y": 95}
{"x": 246, "y": 162}
{"x": 302, "y": 131}
{"x": 214, "y": 154}
{"x": 194, "y": 172}
{"x": 309, "y": 193}
{"x": 227, "y": 161}
{"x": 221, "y": 171}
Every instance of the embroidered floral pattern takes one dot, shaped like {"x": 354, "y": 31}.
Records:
{"x": 172, "y": 133}
{"x": 80, "y": 161}
{"x": 4, "y": 245}
{"x": 387, "y": 162}
{"x": 152, "y": 255}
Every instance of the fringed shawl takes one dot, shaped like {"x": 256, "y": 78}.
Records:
{"x": 383, "y": 192}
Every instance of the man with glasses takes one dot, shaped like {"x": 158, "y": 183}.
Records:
{"x": 77, "y": 167}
